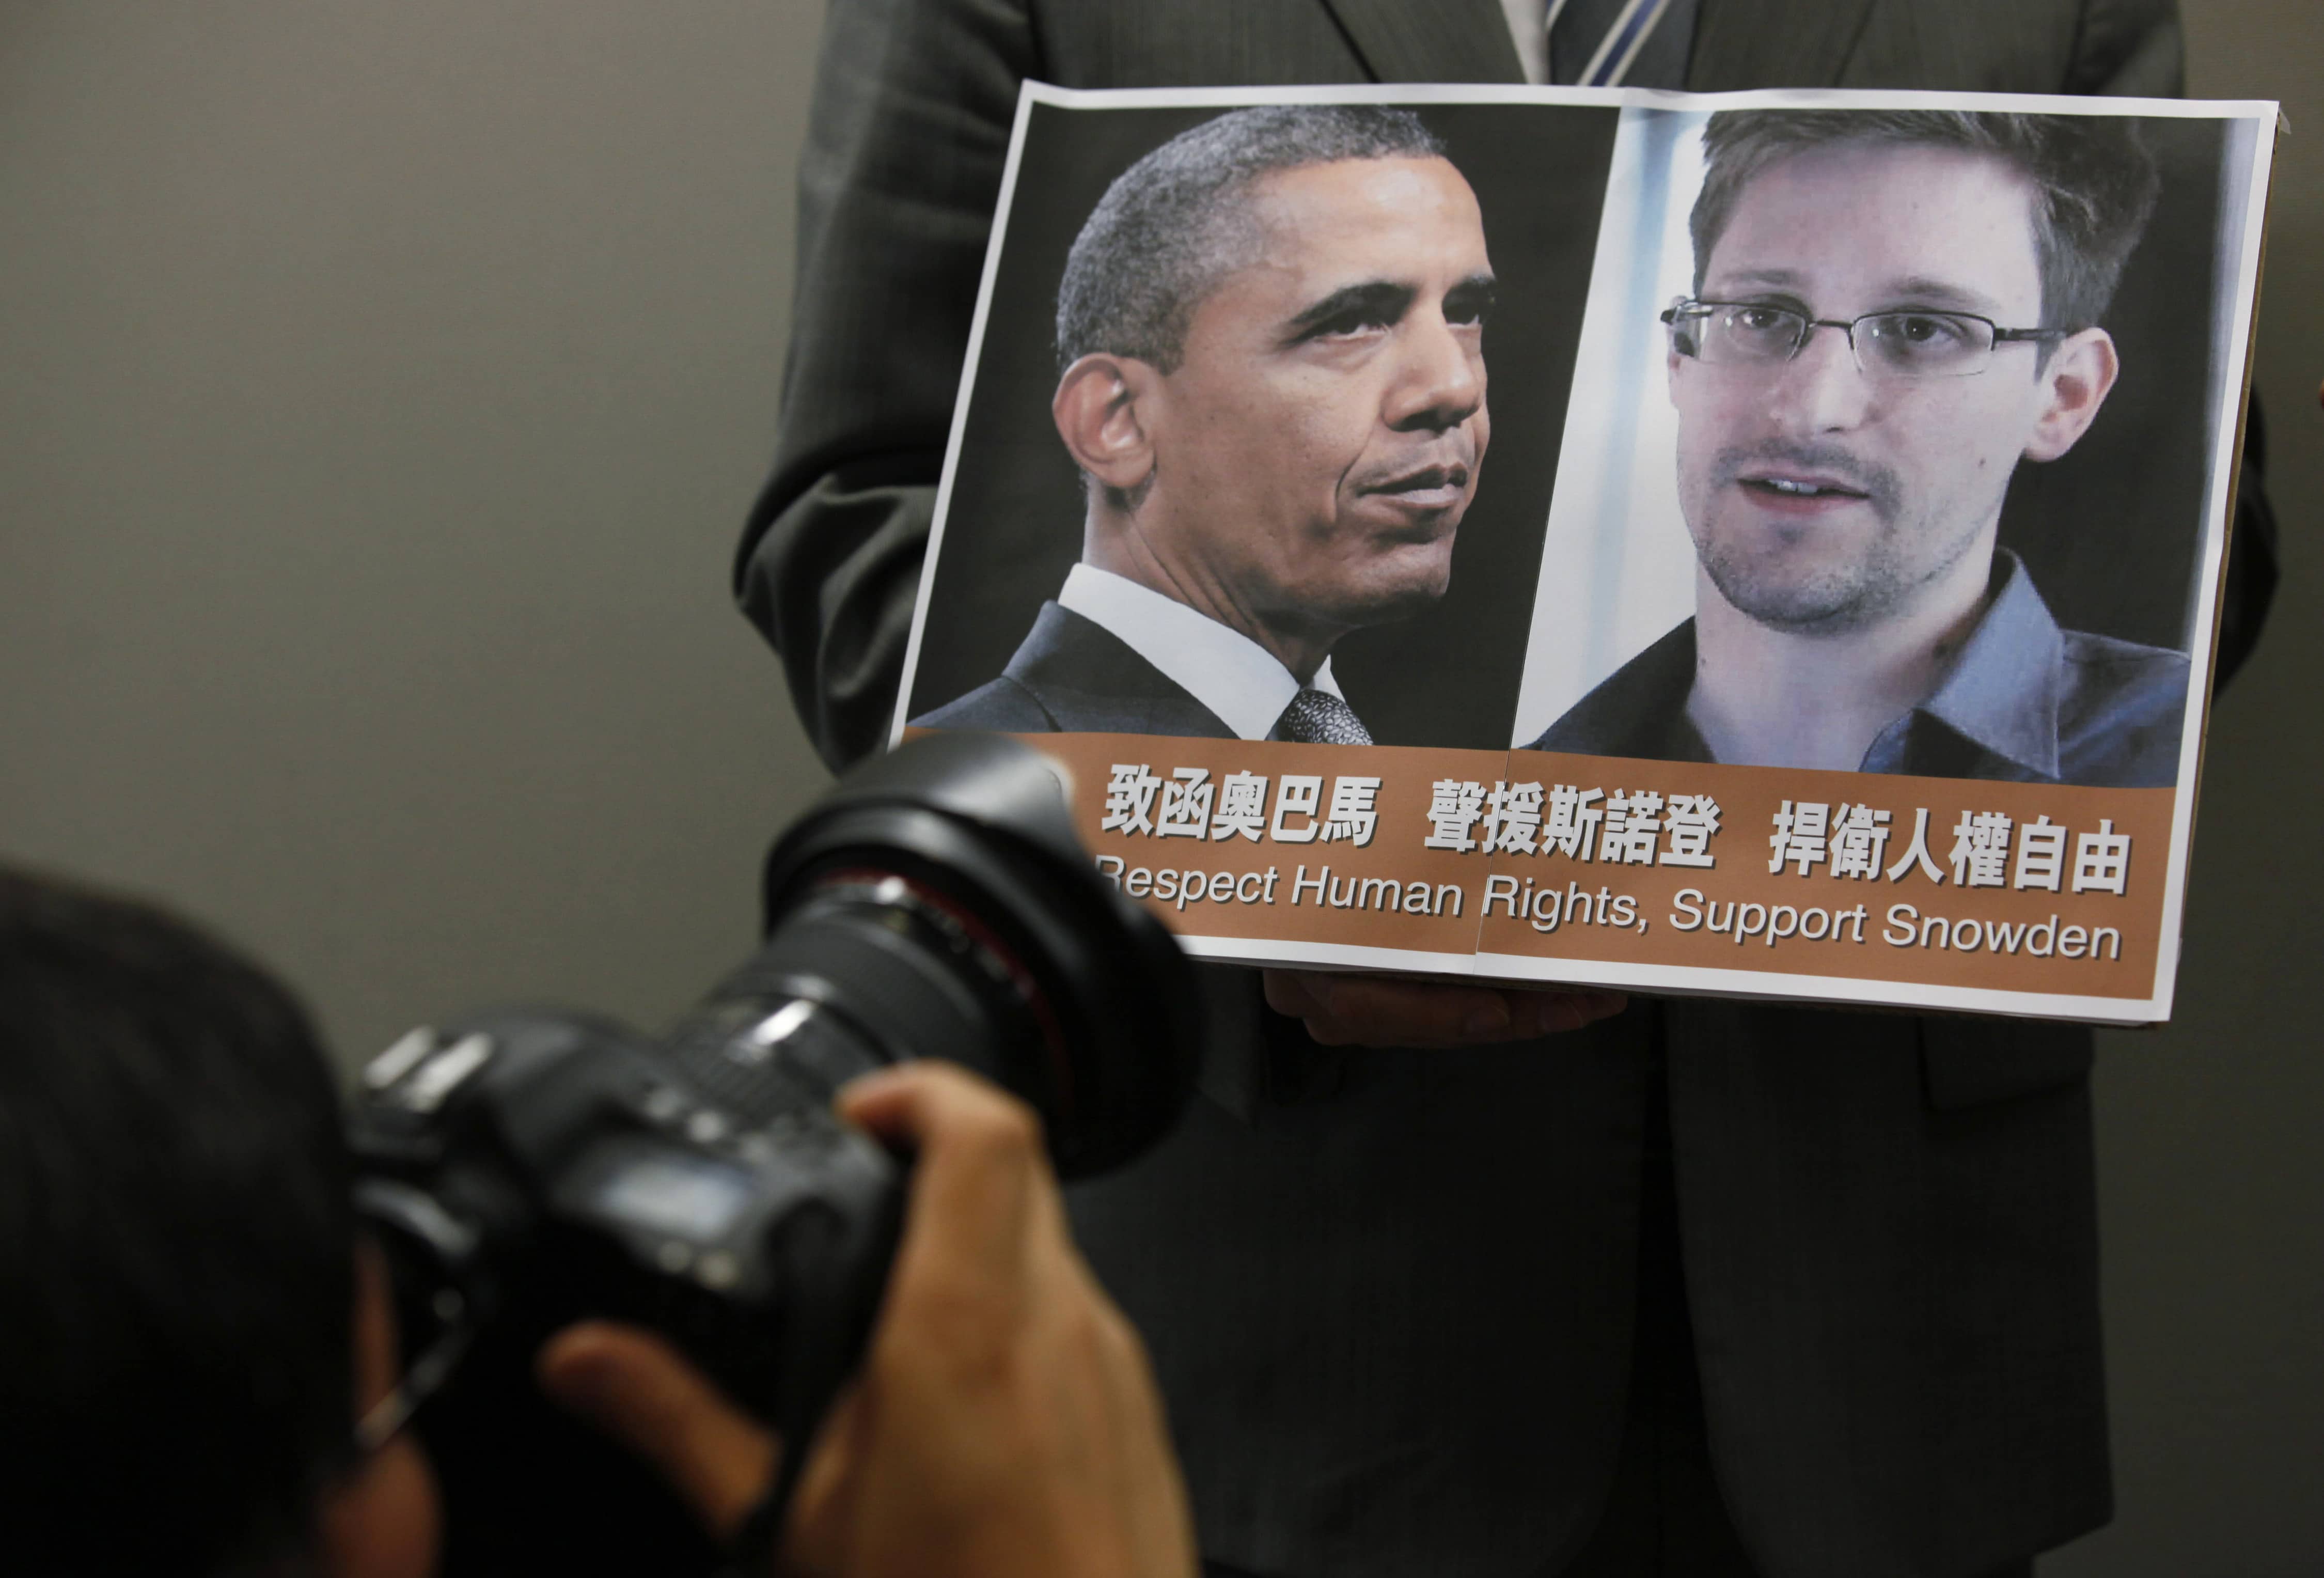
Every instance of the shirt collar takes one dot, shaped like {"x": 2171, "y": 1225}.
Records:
{"x": 2003, "y": 692}
{"x": 1225, "y": 671}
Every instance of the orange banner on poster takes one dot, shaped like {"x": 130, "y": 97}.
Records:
{"x": 1699, "y": 876}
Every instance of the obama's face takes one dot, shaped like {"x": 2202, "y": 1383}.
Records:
{"x": 1315, "y": 449}
{"x": 1825, "y": 492}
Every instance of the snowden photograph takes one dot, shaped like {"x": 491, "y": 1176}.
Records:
{"x": 1905, "y": 459}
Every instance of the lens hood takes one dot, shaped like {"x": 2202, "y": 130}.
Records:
{"x": 979, "y": 823}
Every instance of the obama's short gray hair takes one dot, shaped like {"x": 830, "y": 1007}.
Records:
{"x": 1177, "y": 222}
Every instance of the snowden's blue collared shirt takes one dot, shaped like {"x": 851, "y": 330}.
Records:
{"x": 2025, "y": 702}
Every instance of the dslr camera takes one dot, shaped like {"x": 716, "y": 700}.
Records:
{"x": 526, "y": 1167}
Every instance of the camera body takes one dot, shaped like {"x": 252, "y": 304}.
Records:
{"x": 527, "y": 1167}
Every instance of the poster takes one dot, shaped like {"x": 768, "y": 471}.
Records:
{"x": 1763, "y": 544}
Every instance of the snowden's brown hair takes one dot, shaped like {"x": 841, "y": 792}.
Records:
{"x": 2093, "y": 180}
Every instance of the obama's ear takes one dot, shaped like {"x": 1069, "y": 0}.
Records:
{"x": 1101, "y": 409}
{"x": 2074, "y": 385}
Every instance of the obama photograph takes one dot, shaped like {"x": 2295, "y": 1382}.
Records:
{"x": 1260, "y": 498}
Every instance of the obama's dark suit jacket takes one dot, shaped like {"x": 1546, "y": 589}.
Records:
{"x": 1393, "y": 1321}
{"x": 1072, "y": 675}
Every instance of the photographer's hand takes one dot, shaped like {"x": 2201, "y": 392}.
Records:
{"x": 1005, "y": 1421}
{"x": 1389, "y": 1010}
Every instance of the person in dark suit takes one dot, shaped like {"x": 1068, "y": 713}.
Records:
{"x": 1889, "y": 313}
{"x": 1703, "y": 1287}
{"x": 1270, "y": 331}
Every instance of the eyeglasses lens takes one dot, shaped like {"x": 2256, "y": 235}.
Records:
{"x": 1888, "y": 345}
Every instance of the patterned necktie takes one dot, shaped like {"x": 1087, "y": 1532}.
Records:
{"x": 1319, "y": 718}
{"x": 1624, "y": 43}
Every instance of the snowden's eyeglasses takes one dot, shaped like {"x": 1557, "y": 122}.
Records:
{"x": 1917, "y": 344}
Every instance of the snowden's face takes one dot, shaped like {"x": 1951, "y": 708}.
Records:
{"x": 1819, "y": 499}
{"x": 1319, "y": 442}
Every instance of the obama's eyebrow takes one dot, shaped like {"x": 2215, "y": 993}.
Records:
{"x": 1383, "y": 302}
{"x": 1472, "y": 301}
{"x": 1351, "y": 306}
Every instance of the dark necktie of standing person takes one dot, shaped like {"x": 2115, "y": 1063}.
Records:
{"x": 1619, "y": 43}
{"x": 1319, "y": 718}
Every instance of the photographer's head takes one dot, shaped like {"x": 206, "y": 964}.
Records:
{"x": 177, "y": 1257}
{"x": 1891, "y": 308}
{"x": 191, "y": 1327}
{"x": 1271, "y": 334}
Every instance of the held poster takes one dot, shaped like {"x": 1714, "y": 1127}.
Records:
{"x": 1768, "y": 544}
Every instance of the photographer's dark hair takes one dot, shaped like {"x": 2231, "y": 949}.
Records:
{"x": 176, "y": 1246}
{"x": 1175, "y": 224}
{"x": 2094, "y": 183}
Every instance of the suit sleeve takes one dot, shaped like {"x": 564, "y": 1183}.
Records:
{"x": 2128, "y": 48}
{"x": 906, "y": 141}
{"x": 2134, "y": 48}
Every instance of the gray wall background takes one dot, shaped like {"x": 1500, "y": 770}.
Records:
{"x": 380, "y": 388}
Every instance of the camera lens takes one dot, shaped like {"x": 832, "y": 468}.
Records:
{"x": 939, "y": 905}
{"x": 870, "y": 967}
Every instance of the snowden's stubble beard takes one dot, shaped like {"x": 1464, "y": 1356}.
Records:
{"x": 1814, "y": 576}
